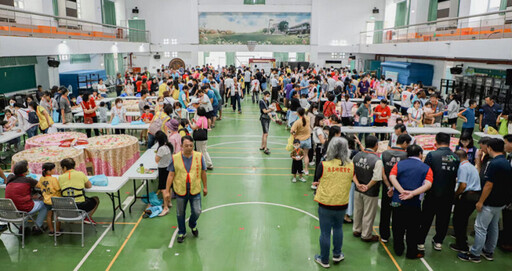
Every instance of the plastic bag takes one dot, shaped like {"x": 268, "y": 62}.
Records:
{"x": 115, "y": 120}
{"x": 289, "y": 146}
{"x": 154, "y": 211}
{"x": 153, "y": 199}
{"x": 137, "y": 122}
{"x": 99, "y": 180}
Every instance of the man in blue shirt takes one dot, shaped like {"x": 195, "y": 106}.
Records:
{"x": 304, "y": 84}
{"x": 468, "y": 116}
{"x": 489, "y": 113}
{"x": 496, "y": 194}
{"x": 466, "y": 197}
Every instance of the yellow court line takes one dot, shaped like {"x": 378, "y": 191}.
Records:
{"x": 254, "y": 167}
{"x": 389, "y": 253}
{"x": 117, "y": 223}
{"x": 125, "y": 241}
{"x": 245, "y": 174}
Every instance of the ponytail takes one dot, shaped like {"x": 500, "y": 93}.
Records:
{"x": 301, "y": 113}
{"x": 47, "y": 167}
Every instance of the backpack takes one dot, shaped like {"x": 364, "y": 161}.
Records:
{"x": 156, "y": 125}
{"x": 32, "y": 117}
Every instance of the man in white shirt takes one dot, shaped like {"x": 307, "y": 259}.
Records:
{"x": 247, "y": 80}
{"x": 255, "y": 89}
{"x": 331, "y": 82}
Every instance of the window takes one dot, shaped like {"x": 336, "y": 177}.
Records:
{"x": 254, "y": 2}
{"x": 337, "y": 55}
{"x": 167, "y": 54}
{"x": 174, "y": 41}
{"x": 174, "y": 54}
{"x": 78, "y": 9}
{"x": 166, "y": 41}
{"x": 64, "y": 57}
{"x": 83, "y": 58}
{"x": 19, "y": 4}
{"x": 494, "y": 5}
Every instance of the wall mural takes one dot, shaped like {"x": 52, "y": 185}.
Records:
{"x": 237, "y": 28}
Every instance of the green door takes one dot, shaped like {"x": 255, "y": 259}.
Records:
{"x": 377, "y": 35}
{"x": 110, "y": 65}
{"x": 109, "y": 12}
{"x": 137, "y": 30}
{"x": 230, "y": 58}
{"x": 17, "y": 78}
{"x": 401, "y": 13}
{"x": 432, "y": 10}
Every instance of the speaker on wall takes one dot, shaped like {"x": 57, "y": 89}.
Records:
{"x": 456, "y": 70}
{"x": 53, "y": 63}
{"x": 508, "y": 80}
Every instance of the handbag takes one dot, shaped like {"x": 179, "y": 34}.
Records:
{"x": 200, "y": 134}
{"x": 88, "y": 120}
{"x": 289, "y": 146}
{"x": 156, "y": 125}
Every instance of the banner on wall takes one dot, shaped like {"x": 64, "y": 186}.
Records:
{"x": 265, "y": 28}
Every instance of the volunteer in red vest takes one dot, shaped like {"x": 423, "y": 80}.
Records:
{"x": 334, "y": 180}
{"x": 186, "y": 172}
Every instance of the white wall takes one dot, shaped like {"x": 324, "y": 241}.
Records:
{"x": 419, "y": 11}
{"x": 97, "y": 63}
{"x": 91, "y": 10}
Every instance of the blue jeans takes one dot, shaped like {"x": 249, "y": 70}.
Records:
{"x": 486, "y": 230}
{"x": 32, "y": 131}
{"x": 151, "y": 140}
{"x": 330, "y": 220}
{"x": 350, "y": 209}
{"x": 41, "y": 210}
{"x": 235, "y": 100}
{"x": 181, "y": 207}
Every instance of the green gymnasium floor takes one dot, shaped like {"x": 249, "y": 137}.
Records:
{"x": 253, "y": 218}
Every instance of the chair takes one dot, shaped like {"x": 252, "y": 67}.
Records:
{"x": 10, "y": 214}
{"x": 65, "y": 209}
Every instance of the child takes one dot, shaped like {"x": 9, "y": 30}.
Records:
{"x": 297, "y": 155}
{"x": 50, "y": 187}
{"x": 103, "y": 113}
{"x": 146, "y": 117}
{"x": 394, "y": 116}
{"x": 11, "y": 121}
{"x": 504, "y": 123}
{"x": 304, "y": 101}
{"x": 428, "y": 120}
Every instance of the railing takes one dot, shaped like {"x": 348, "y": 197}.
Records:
{"x": 22, "y": 23}
{"x": 492, "y": 25}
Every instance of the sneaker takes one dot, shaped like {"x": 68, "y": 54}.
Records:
{"x": 89, "y": 221}
{"x": 384, "y": 240}
{"x": 294, "y": 180}
{"x": 306, "y": 172}
{"x": 319, "y": 261}
{"x": 195, "y": 232}
{"x": 454, "y": 247}
{"x": 487, "y": 256}
{"x": 302, "y": 180}
{"x": 209, "y": 168}
{"x": 373, "y": 238}
{"x": 181, "y": 237}
{"x": 314, "y": 187}
{"x": 468, "y": 257}
{"x": 437, "y": 246}
{"x": 339, "y": 258}
{"x": 36, "y": 231}
{"x": 312, "y": 163}
{"x": 421, "y": 247}
{"x": 54, "y": 233}
{"x": 356, "y": 234}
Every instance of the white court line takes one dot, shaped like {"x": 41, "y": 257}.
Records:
{"x": 426, "y": 264}
{"x": 171, "y": 244}
{"x": 232, "y": 142}
{"x": 252, "y": 158}
{"x": 125, "y": 203}
{"x": 242, "y": 136}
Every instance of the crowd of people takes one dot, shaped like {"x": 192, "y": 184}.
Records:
{"x": 350, "y": 172}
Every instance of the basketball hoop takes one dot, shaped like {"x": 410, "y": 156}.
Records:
{"x": 251, "y": 45}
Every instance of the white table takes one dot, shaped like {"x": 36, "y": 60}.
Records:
{"x": 8, "y": 136}
{"x": 112, "y": 190}
{"x": 128, "y": 114}
{"x": 482, "y": 134}
{"x": 77, "y": 126}
{"x": 148, "y": 160}
{"x": 388, "y": 130}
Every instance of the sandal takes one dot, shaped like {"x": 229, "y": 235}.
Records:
{"x": 262, "y": 149}
{"x": 164, "y": 213}
{"x": 267, "y": 152}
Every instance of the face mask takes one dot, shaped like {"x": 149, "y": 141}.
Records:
{"x": 267, "y": 98}
{"x": 160, "y": 103}
{"x": 119, "y": 104}
{"x": 12, "y": 104}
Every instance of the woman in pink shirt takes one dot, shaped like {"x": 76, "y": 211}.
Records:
{"x": 173, "y": 135}
{"x": 201, "y": 145}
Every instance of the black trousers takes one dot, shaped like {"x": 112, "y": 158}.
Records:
{"x": 119, "y": 131}
{"x": 467, "y": 130}
{"x": 506, "y": 234}
{"x": 381, "y": 136}
{"x": 441, "y": 208}
{"x": 247, "y": 87}
{"x": 318, "y": 154}
{"x": 347, "y": 121}
{"x": 406, "y": 222}
{"x": 385, "y": 214}
{"x": 96, "y": 131}
{"x": 274, "y": 94}
{"x": 464, "y": 207}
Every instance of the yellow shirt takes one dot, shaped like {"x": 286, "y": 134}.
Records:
{"x": 75, "y": 179}
{"x": 43, "y": 123}
{"x": 301, "y": 132}
{"x": 163, "y": 116}
{"x": 161, "y": 89}
{"x": 50, "y": 187}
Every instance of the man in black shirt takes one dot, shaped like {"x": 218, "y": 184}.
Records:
{"x": 439, "y": 199}
{"x": 496, "y": 194}
{"x": 506, "y": 234}
{"x": 389, "y": 159}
